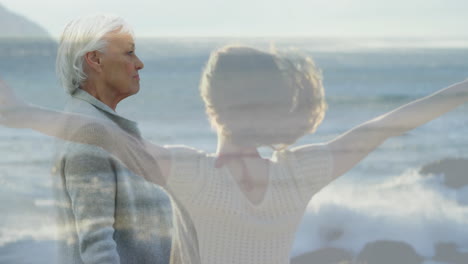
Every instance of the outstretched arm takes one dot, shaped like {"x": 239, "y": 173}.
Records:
{"x": 351, "y": 147}
{"x": 145, "y": 159}
{"x": 354, "y": 145}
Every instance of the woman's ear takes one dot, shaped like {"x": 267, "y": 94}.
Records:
{"x": 93, "y": 60}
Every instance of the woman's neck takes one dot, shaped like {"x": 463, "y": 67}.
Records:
{"x": 226, "y": 146}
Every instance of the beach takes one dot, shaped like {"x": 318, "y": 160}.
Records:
{"x": 384, "y": 198}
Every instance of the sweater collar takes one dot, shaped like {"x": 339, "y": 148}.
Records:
{"x": 124, "y": 123}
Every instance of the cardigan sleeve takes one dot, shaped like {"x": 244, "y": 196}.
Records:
{"x": 90, "y": 183}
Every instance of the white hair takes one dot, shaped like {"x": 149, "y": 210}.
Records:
{"x": 80, "y": 36}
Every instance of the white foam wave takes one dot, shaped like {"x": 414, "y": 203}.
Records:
{"x": 13, "y": 234}
{"x": 420, "y": 211}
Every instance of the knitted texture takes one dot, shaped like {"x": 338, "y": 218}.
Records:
{"x": 107, "y": 215}
{"x": 230, "y": 228}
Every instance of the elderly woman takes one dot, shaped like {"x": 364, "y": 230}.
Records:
{"x": 246, "y": 208}
{"x": 109, "y": 215}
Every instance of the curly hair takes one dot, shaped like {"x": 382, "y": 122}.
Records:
{"x": 259, "y": 98}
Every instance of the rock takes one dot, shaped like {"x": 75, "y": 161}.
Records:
{"x": 388, "y": 252}
{"x": 324, "y": 256}
{"x": 455, "y": 171}
{"x": 22, "y": 39}
{"x": 330, "y": 234}
{"x": 448, "y": 253}
{"x": 16, "y": 26}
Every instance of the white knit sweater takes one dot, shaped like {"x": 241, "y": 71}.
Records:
{"x": 230, "y": 228}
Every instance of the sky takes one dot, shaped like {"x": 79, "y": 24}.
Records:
{"x": 318, "y": 18}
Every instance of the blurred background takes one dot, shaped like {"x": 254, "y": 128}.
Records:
{"x": 408, "y": 199}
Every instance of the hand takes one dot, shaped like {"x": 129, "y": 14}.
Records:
{"x": 12, "y": 108}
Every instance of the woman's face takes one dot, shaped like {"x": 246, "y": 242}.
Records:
{"x": 120, "y": 66}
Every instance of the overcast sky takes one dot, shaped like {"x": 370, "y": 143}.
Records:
{"x": 350, "y": 18}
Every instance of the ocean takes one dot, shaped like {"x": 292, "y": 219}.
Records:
{"x": 385, "y": 197}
